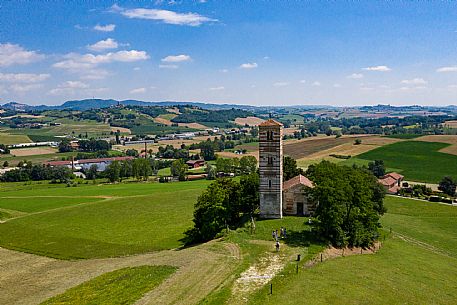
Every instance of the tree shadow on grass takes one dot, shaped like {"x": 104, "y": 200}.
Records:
{"x": 302, "y": 238}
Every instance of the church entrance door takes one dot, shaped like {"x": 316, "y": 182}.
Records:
{"x": 300, "y": 208}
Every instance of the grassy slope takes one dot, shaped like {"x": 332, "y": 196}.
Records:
{"x": 118, "y": 226}
{"x": 419, "y": 161}
{"x": 122, "y": 287}
{"x": 404, "y": 271}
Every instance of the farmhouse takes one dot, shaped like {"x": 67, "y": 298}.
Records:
{"x": 195, "y": 163}
{"x": 391, "y": 182}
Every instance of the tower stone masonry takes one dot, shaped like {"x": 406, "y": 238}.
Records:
{"x": 270, "y": 168}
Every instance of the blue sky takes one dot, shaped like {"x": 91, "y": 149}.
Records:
{"x": 244, "y": 52}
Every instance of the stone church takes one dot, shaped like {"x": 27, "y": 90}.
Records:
{"x": 278, "y": 198}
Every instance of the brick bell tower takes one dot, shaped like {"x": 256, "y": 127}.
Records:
{"x": 270, "y": 168}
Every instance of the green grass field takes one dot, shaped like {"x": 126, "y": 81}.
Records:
{"x": 404, "y": 136}
{"x": 8, "y": 138}
{"x": 418, "y": 161}
{"x": 133, "y": 218}
{"x": 120, "y": 287}
{"x": 416, "y": 265}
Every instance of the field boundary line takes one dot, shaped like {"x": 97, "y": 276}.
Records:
{"x": 424, "y": 245}
{"x": 61, "y": 208}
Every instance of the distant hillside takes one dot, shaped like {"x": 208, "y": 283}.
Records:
{"x": 100, "y": 103}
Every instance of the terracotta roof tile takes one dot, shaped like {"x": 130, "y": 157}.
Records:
{"x": 270, "y": 122}
{"x": 394, "y": 175}
{"x": 300, "y": 179}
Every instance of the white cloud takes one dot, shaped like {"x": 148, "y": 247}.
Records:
{"x": 103, "y": 45}
{"x": 11, "y": 54}
{"x": 248, "y": 65}
{"x": 95, "y": 74}
{"x": 280, "y": 84}
{"x": 105, "y": 28}
{"x": 168, "y": 66}
{"x": 68, "y": 87}
{"x": 165, "y": 16}
{"x": 224, "y": 70}
{"x": 366, "y": 88}
{"x": 447, "y": 69}
{"x": 23, "y": 77}
{"x": 303, "y": 81}
{"x": 355, "y": 76}
{"x": 378, "y": 68}
{"x": 78, "y": 62}
{"x": 414, "y": 81}
{"x": 337, "y": 85}
{"x": 176, "y": 58}
{"x": 266, "y": 57}
{"x": 316, "y": 84}
{"x": 138, "y": 91}
{"x": 452, "y": 86}
{"x": 217, "y": 88}
{"x": 136, "y": 69}
{"x": 24, "y": 88}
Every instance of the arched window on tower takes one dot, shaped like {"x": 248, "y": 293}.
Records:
{"x": 269, "y": 183}
{"x": 270, "y": 135}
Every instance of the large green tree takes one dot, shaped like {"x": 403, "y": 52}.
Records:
{"x": 447, "y": 186}
{"x": 224, "y": 204}
{"x": 350, "y": 202}
{"x": 290, "y": 168}
{"x": 179, "y": 169}
{"x": 377, "y": 167}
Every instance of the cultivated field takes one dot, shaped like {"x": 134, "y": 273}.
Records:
{"x": 250, "y": 120}
{"x": 32, "y": 151}
{"x": 306, "y": 147}
{"x": 345, "y": 149}
{"x": 8, "y": 138}
{"x": 417, "y": 160}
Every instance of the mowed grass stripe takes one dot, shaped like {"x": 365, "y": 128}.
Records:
{"x": 116, "y": 227}
{"x": 419, "y": 161}
{"x": 38, "y": 204}
{"x": 120, "y": 287}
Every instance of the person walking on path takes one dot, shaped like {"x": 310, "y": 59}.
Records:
{"x": 277, "y": 246}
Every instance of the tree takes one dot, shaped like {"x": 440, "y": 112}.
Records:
{"x": 377, "y": 168}
{"x": 207, "y": 150}
{"x": 65, "y": 145}
{"x": 248, "y": 165}
{"x": 447, "y": 185}
{"x": 357, "y": 141}
{"x": 210, "y": 172}
{"x": 350, "y": 204}
{"x": 113, "y": 171}
{"x": 178, "y": 169}
{"x": 290, "y": 168}
{"x": 218, "y": 207}
{"x": 141, "y": 169}
{"x": 249, "y": 193}
{"x": 5, "y": 164}
{"x": 92, "y": 172}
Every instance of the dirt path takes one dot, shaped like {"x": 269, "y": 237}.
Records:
{"x": 30, "y": 279}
